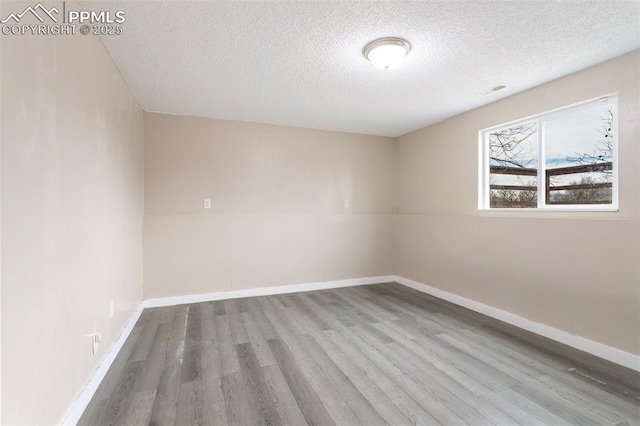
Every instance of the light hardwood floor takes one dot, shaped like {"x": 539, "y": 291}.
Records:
{"x": 370, "y": 355}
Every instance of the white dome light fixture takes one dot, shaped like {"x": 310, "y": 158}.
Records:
{"x": 387, "y": 52}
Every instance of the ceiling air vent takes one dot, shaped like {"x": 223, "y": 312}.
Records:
{"x": 493, "y": 90}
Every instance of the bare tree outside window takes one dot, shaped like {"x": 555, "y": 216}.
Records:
{"x": 585, "y": 176}
{"x": 513, "y": 166}
{"x": 506, "y": 146}
{"x": 578, "y": 163}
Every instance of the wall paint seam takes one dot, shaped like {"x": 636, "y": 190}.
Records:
{"x": 600, "y": 350}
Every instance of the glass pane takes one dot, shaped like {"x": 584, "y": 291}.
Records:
{"x": 513, "y": 162}
{"x": 579, "y": 157}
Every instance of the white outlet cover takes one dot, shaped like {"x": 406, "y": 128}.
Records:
{"x": 346, "y": 204}
{"x": 95, "y": 338}
{"x": 111, "y": 309}
{"x": 206, "y": 203}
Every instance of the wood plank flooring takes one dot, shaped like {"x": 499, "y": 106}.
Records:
{"x": 369, "y": 355}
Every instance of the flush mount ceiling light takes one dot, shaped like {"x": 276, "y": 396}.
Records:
{"x": 387, "y": 52}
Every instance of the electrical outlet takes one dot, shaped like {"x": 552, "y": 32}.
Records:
{"x": 206, "y": 203}
{"x": 111, "y": 309}
{"x": 96, "y": 338}
{"x": 347, "y": 204}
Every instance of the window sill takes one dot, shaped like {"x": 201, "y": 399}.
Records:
{"x": 553, "y": 210}
{"x": 563, "y": 214}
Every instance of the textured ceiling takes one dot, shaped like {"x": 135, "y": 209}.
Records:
{"x": 300, "y": 63}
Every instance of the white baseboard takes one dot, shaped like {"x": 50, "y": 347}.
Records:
{"x": 598, "y": 349}
{"x": 77, "y": 409}
{"x": 264, "y": 291}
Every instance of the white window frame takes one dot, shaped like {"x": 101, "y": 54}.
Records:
{"x": 541, "y": 119}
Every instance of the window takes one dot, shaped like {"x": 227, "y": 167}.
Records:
{"x": 563, "y": 159}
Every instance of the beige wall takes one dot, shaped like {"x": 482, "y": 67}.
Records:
{"x": 579, "y": 272}
{"x": 277, "y": 215}
{"x": 71, "y": 217}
